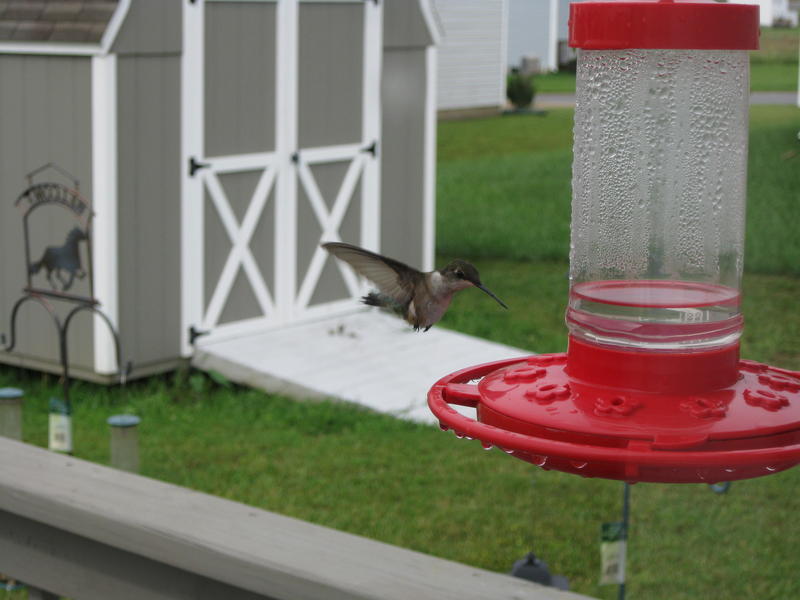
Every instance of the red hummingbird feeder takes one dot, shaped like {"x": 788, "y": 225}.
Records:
{"x": 651, "y": 387}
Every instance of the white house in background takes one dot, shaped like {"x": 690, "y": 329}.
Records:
{"x": 533, "y": 27}
{"x": 471, "y": 54}
{"x": 772, "y": 11}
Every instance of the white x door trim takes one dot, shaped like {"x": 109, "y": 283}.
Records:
{"x": 329, "y": 222}
{"x": 239, "y": 235}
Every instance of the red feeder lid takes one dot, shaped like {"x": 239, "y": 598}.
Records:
{"x": 666, "y": 24}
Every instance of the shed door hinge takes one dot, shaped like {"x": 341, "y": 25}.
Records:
{"x": 371, "y": 149}
{"x": 195, "y": 166}
{"x": 195, "y": 333}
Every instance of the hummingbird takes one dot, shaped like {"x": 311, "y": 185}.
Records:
{"x": 418, "y": 297}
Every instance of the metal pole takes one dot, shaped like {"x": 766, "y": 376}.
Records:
{"x": 11, "y": 413}
{"x": 125, "y": 442}
{"x": 626, "y": 510}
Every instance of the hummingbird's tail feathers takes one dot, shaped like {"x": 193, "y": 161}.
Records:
{"x": 372, "y": 299}
{"x": 385, "y": 302}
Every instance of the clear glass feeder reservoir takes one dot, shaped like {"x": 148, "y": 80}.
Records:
{"x": 658, "y": 208}
{"x": 651, "y": 387}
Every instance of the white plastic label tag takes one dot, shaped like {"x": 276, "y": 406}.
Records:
{"x": 612, "y": 554}
{"x": 60, "y": 432}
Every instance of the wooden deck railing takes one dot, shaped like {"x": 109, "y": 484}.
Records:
{"x": 86, "y": 531}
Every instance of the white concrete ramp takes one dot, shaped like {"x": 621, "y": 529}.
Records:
{"x": 369, "y": 358}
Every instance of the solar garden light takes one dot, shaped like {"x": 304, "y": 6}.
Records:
{"x": 651, "y": 387}
{"x": 11, "y": 412}
{"x": 125, "y": 442}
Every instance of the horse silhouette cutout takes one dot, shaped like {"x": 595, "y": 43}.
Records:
{"x": 63, "y": 262}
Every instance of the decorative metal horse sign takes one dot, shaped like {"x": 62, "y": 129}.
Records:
{"x": 60, "y": 259}
{"x": 62, "y": 264}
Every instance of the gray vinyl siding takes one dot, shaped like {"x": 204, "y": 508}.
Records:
{"x": 472, "y": 55}
{"x": 151, "y": 27}
{"x": 404, "y": 25}
{"x": 45, "y": 116}
{"x": 403, "y": 154}
{"x": 239, "y": 78}
{"x": 331, "y": 74}
{"x": 149, "y": 207}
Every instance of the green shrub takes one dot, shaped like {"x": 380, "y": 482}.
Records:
{"x": 520, "y": 89}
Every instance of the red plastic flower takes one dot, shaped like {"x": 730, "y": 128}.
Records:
{"x": 765, "y": 399}
{"x": 620, "y": 406}
{"x": 524, "y": 374}
{"x": 780, "y": 382}
{"x": 705, "y": 408}
{"x": 548, "y": 393}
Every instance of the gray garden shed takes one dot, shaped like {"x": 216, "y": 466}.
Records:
{"x": 218, "y": 142}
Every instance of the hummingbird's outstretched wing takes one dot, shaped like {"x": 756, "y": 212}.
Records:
{"x": 392, "y": 278}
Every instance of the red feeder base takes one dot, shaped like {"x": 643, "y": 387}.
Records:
{"x": 692, "y": 418}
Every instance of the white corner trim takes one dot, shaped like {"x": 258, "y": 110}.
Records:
{"x": 426, "y": 8}
{"x": 286, "y": 86}
{"x": 429, "y": 167}
{"x": 105, "y": 265}
{"x": 192, "y": 144}
{"x": 552, "y": 33}
{"x": 114, "y": 25}
{"x": 371, "y": 126}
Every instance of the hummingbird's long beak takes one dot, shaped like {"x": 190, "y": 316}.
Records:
{"x": 483, "y": 288}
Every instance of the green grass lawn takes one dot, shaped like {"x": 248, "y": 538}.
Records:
{"x": 772, "y": 68}
{"x": 506, "y": 181}
{"x": 504, "y": 203}
{"x": 560, "y": 82}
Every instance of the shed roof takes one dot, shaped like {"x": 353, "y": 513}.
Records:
{"x": 73, "y": 21}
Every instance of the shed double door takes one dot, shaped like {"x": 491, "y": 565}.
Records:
{"x": 281, "y": 135}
